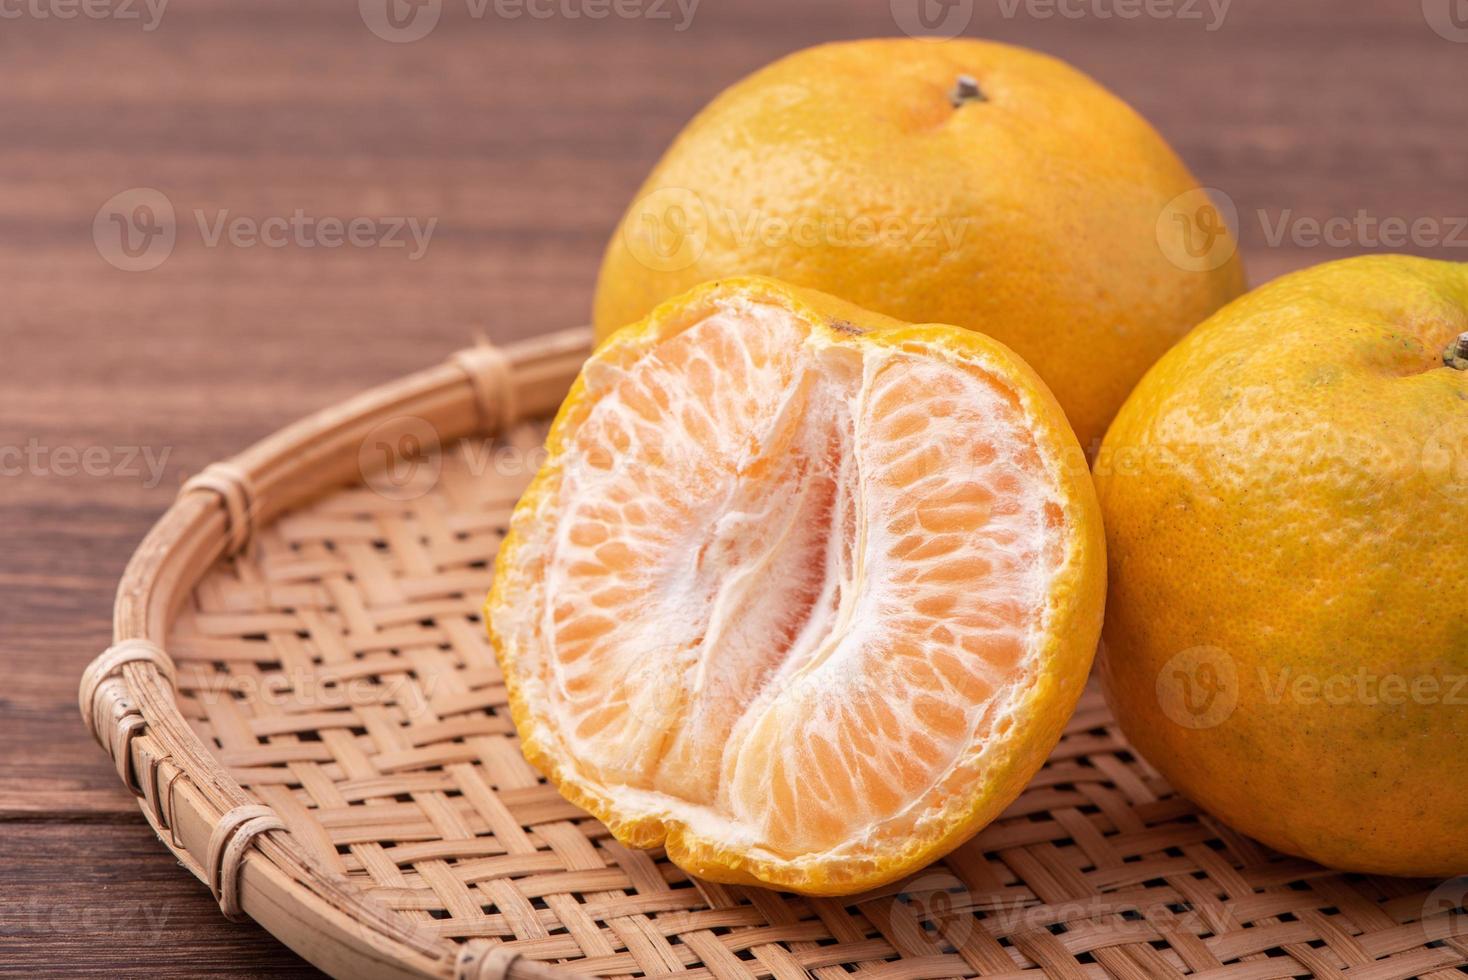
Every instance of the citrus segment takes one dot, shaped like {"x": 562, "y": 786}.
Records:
{"x": 803, "y": 596}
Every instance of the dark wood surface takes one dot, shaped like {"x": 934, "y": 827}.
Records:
{"x": 525, "y": 138}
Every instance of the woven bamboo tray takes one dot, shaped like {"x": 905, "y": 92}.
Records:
{"x": 326, "y": 744}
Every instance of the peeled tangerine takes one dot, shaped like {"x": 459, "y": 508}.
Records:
{"x": 802, "y": 593}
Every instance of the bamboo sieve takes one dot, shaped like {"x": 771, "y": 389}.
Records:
{"x": 301, "y": 695}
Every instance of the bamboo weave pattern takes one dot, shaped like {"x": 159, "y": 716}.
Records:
{"x": 339, "y": 670}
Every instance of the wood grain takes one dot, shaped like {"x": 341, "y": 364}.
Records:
{"x": 524, "y": 138}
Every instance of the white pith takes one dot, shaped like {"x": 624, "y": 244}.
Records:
{"x": 770, "y": 655}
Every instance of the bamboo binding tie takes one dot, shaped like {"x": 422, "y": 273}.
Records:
{"x": 480, "y": 960}
{"x": 232, "y": 485}
{"x": 114, "y": 718}
{"x": 107, "y": 666}
{"x": 493, "y": 379}
{"x": 228, "y": 844}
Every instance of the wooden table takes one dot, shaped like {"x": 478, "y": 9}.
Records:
{"x": 524, "y": 137}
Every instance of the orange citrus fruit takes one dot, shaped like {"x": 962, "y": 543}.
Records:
{"x": 803, "y": 593}
{"x": 1286, "y": 507}
{"x": 967, "y": 182}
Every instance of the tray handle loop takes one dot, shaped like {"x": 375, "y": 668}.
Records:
{"x": 236, "y": 492}
{"x": 229, "y": 842}
{"x": 110, "y": 712}
{"x": 492, "y": 376}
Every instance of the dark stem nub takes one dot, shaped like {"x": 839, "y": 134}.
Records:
{"x": 966, "y": 89}
{"x": 1456, "y": 356}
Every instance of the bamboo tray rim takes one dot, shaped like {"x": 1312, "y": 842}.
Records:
{"x": 127, "y": 697}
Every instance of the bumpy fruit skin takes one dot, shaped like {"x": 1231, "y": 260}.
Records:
{"x": 1286, "y": 506}
{"x": 1031, "y": 214}
{"x": 1074, "y": 609}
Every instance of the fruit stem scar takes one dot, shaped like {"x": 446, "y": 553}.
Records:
{"x": 966, "y": 89}
{"x": 1456, "y": 356}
